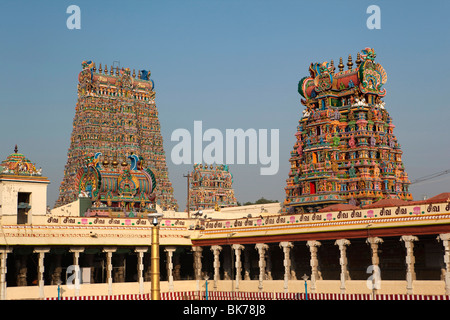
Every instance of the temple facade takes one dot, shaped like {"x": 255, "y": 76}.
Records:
{"x": 348, "y": 229}
{"x": 116, "y": 117}
{"x": 211, "y": 188}
{"x": 345, "y": 150}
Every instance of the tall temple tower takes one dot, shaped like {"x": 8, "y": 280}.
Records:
{"x": 211, "y": 188}
{"x": 345, "y": 149}
{"x": 116, "y": 117}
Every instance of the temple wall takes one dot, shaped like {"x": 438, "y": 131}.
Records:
{"x": 9, "y": 197}
{"x": 295, "y": 286}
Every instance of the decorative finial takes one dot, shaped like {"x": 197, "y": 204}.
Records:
{"x": 332, "y": 67}
{"x": 340, "y": 65}
{"x": 134, "y": 74}
{"x": 117, "y": 71}
{"x": 94, "y": 69}
{"x": 112, "y": 71}
{"x": 100, "y": 68}
{"x": 15, "y": 149}
{"x": 349, "y": 63}
{"x": 358, "y": 59}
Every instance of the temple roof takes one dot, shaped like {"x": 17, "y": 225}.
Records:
{"x": 387, "y": 203}
{"x": 17, "y": 164}
{"x": 339, "y": 207}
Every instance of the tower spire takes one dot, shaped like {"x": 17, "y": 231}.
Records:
{"x": 341, "y": 65}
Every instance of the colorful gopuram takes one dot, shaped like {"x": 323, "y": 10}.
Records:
{"x": 114, "y": 189}
{"x": 211, "y": 188}
{"x": 116, "y": 117}
{"x": 345, "y": 150}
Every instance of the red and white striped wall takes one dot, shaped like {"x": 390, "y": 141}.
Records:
{"x": 220, "y": 295}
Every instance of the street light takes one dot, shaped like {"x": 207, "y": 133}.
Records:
{"x": 154, "y": 274}
{"x": 305, "y": 277}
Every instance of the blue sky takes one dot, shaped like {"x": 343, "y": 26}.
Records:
{"x": 231, "y": 64}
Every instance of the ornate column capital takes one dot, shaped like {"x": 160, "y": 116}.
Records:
{"x": 109, "y": 249}
{"x": 286, "y": 244}
{"x": 409, "y": 238}
{"x": 313, "y": 243}
{"x": 342, "y": 243}
{"x": 261, "y": 246}
{"x": 196, "y": 248}
{"x": 76, "y": 249}
{"x": 444, "y": 237}
{"x": 374, "y": 240}
{"x": 43, "y": 250}
{"x": 216, "y": 248}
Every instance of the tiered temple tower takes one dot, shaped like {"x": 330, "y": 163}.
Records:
{"x": 211, "y": 188}
{"x": 116, "y": 117}
{"x": 345, "y": 149}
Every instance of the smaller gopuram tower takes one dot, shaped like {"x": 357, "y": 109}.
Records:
{"x": 116, "y": 189}
{"x": 345, "y": 149}
{"x": 211, "y": 188}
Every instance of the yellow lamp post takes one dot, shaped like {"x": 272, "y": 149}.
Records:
{"x": 155, "y": 274}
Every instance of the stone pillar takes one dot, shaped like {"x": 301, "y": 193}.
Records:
{"x": 342, "y": 243}
{"x": 410, "y": 260}
{"x": 313, "y": 245}
{"x": 261, "y": 247}
{"x": 197, "y": 262}
{"x": 286, "y": 262}
{"x": 76, "y": 258}
{"x": 216, "y": 251}
{"x": 376, "y": 276}
{"x": 445, "y": 237}
{"x": 3, "y": 256}
{"x": 41, "y": 253}
{"x": 109, "y": 252}
{"x": 238, "y": 264}
{"x": 169, "y": 265}
{"x": 140, "y": 267}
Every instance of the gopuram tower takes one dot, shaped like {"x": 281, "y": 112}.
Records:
{"x": 211, "y": 188}
{"x": 115, "y": 118}
{"x": 345, "y": 150}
